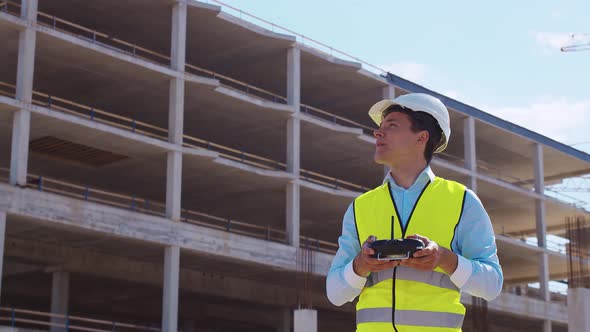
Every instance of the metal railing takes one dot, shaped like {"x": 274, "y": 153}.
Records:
{"x": 132, "y": 49}
{"x": 331, "y": 182}
{"x": 103, "y": 39}
{"x": 160, "y": 133}
{"x": 529, "y": 291}
{"x": 91, "y": 113}
{"x": 43, "y": 320}
{"x": 10, "y": 8}
{"x": 126, "y": 123}
{"x": 237, "y": 85}
{"x": 143, "y": 205}
{"x": 316, "y": 112}
{"x": 234, "y": 154}
{"x": 137, "y": 51}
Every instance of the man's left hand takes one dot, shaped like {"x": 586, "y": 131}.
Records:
{"x": 431, "y": 257}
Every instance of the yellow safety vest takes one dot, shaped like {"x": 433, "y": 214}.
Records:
{"x": 404, "y": 299}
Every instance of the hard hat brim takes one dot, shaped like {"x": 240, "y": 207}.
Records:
{"x": 376, "y": 111}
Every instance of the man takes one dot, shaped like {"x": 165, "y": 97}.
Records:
{"x": 421, "y": 293}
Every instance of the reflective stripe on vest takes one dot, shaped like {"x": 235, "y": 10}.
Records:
{"x": 405, "y": 299}
{"x": 410, "y": 317}
{"x": 433, "y": 278}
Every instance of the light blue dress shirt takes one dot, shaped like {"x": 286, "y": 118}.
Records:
{"x": 478, "y": 271}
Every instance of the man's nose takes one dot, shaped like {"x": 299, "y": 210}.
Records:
{"x": 377, "y": 133}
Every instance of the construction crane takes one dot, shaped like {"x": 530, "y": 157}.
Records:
{"x": 579, "y": 42}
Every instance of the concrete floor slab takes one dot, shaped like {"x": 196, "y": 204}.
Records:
{"x": 11, "y": 21}
{"x": 86, "y": 216}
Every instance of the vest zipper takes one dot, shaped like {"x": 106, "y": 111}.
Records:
{"x": 393, "y": 301}
{"x": 393, "y": 288}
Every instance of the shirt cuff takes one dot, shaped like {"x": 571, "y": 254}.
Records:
{"x": 463, "y": 272}
{"x": 352, "y": 278}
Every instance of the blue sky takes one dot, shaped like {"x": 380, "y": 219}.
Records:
{"x": 502, "y": 56}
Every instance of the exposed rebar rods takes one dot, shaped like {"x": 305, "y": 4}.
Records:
{"x": 305, "y": 262}
{"x": 479, "y": 316}
{"x": 578, "y": 269}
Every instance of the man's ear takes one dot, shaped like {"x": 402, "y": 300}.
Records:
{"x": 423, "y": 137}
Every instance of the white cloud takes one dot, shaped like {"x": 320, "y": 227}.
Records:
{"x": 558, "y": 118}
{"x": 552, "y": 40}
{"x": 412, "y": 71}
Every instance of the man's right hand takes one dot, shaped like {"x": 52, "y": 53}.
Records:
{"x": 363, "y": 262}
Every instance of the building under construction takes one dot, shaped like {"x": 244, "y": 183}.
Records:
{"x": 166, "y": 165}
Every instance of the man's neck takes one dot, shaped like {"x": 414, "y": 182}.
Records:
{"x": 405, "y": 175}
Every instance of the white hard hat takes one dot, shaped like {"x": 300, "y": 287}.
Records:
{"x": 417, "y": 102}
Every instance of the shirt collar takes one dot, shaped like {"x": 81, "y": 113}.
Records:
{"x": 425, "y": 176}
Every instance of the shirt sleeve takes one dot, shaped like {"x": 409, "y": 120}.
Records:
{"x": 343, "y": 284}
{"x": 478, "y": 271}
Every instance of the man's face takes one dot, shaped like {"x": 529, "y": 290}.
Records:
{"x": 396, "y": 141}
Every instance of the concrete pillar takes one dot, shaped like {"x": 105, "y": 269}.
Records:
{"x": 176, "y": 111}
{"x": 540, "y": 214}
{"x": 60, "y": 296}
{"x": 294, "y": 99}
{"x": 178, "y": 47}
{"x": 174, "y": 158}
{"x": 578, "y": 309}
{"x": 284, "y": 323}
{"x": 177, "y": 62}
{"x": 2, "y": 240}
{"x": 173, "y": 185}
{"x": 24, "y": 92}
{"x": 469, "y": 150}
{"x": 293, "y": 146}
{"x": 170, "y": 296}
{"x": 293, "y": 213}
{"x": 305, "y": 320}
{"x": 388, "y": 93}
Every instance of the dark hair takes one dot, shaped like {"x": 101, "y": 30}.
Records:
{"x": 421, "y": 121}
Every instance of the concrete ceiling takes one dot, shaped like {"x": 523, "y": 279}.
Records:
{"x": 521, "y": 265}
{"x": 339, "y": 152}
{"x": 144, "y": 25}
{"x": 338, "y": 87}
{"x": 79, "y": 74}
{"x": 237, "y": 49}
{"x": 241, "y": 124}
{"x": 512, "y": 212}
{"x": 322, "y": 213}
{"x": 19, "y": 228}
{"x": 8, "y": 53}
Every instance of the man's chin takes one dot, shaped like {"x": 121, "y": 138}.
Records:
{"x": 379, "y": 160}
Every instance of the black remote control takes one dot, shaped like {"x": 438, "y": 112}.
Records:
{"x": 396, "y": 249}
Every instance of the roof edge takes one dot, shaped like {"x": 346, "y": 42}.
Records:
{"x": 489, "y": 118}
